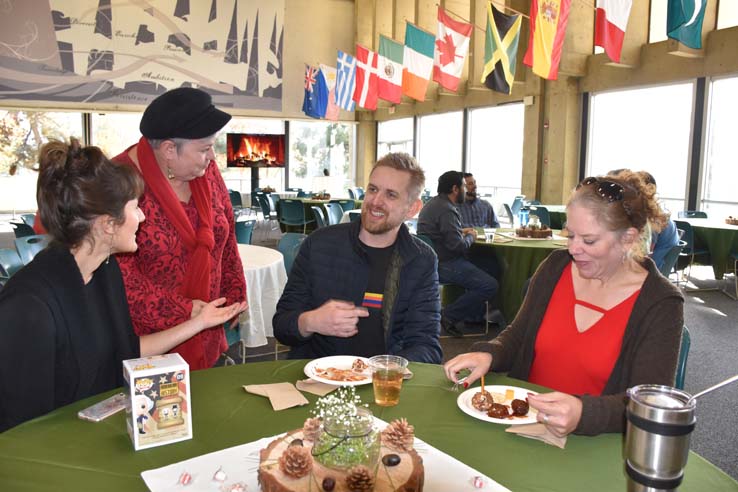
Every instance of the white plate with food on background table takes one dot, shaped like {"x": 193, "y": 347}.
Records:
{"x": 502, "y": 395}
{"x": 340, "y": 370}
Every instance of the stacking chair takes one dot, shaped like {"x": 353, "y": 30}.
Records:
{"x": 359, "y": 193}
{"x": 28, "y": 219}
{"x": 351, "y": 193}
{"x": 335, "y": 213}
{"x": 244, "y": 231}
{"x": 21, "y": 229}
{"x": 542, "y": 213}
{"x": 346, "y": 205}
{"x": 689, "y": 250}
{"x": 681, "y": 370}
{"x": 692, "y": 214}
{"x": 29, "y": 246}
{"x": 517, "y": 204}
{"x": 319, "y": 217}
{"x": 292, "y": 213}
{"x": 671, "y": 258}
{"x": 289, "y": 246}
{"x": 235, "y": 198}
{"x": 508, "y": 212}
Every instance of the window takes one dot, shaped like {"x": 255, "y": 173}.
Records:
{"x": 239, "y": 179}
{"x": 439, "y": 145}
{"x": 657, "y": 22}
{"x": 644, "y": 129}
{"x": 395, "y": 136}
{"x": 22, "y": 133}
{"x": 115, "y": 132}
{"x": 720, "y": 174}
{"x": 321, "y": 157}
{"x": 496, "y": 150}
{"x": 727, "y": 14}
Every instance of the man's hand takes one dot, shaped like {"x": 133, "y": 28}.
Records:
{"x": 466, "y": 231}
{"x": 334, "y": 318}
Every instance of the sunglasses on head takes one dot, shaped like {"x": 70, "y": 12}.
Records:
{"x": 609, "y": 190}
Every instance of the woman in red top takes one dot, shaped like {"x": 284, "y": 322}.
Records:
{"x": 597, "y": 319}
{"x": 187, "y": 253}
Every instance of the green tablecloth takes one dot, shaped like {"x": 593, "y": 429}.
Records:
{"x": 518, "y": 259}
{"x": 557, "y": 214}
{"x": 719, "y": 238}
{"x": 61, "y": 452}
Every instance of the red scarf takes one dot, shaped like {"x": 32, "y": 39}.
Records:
{"x": 196, "y": 284}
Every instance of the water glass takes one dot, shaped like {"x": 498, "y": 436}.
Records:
{"x": 489, "y": 235}
{"x": 387, "y": 372}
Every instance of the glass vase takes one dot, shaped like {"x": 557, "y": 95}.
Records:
{"x": 347, "y": 441}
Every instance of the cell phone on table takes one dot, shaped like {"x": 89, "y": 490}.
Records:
{"x": 104, "y": 409}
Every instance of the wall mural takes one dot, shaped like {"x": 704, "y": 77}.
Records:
{"x": 130, "y": 51}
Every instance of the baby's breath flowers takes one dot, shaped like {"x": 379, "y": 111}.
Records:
{"x": 341, "y": 405}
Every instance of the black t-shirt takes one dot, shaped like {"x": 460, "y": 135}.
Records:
{"x": 370, "y": 339}
{"x": 101, "y": 345}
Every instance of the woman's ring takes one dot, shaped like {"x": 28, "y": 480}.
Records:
{"x": 545, "y": 418}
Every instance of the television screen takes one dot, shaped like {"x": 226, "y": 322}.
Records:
{"x": 255, "y": 150}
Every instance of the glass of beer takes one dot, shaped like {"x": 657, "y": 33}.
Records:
{"x": 387, "y": 372}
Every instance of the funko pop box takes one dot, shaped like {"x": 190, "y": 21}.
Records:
{"x": 159, "y": 389}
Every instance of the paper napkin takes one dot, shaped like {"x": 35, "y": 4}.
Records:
{"x": 537, "y": 431}
{"x": 281, "y": 395}
{"x": 315, "y": 387}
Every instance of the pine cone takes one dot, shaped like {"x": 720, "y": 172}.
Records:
{"x": 311, "y": 429}
{"x": 296, "y": 461}
{"x": 399, "y": 435}
{"x": 359, "y": 479}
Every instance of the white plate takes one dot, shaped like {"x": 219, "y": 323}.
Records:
{"x": 464, "y": 401}
{"x": 339, "y": 362}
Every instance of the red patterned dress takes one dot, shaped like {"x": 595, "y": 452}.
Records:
{"x": 154, "y": 273}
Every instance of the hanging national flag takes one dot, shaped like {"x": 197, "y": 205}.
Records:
{"x": 418, "y": 61}
{"x": 500, "y": 50}
{"x": 452, "y": 45}
{"x": 548, "y": 19}
{"x": 328, "y": 75}
{"x": 684, "y": 21}
{"x": 316, "y": 94}
{"x": 390, "y": 69}
{"x": 611, "y": 21}
{"x": 365, "y": 93}
{"x": 345, "y": 80}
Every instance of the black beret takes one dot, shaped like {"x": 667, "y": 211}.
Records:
{"x": 182, "y": 113}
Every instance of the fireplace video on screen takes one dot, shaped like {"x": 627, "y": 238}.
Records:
{"x": 255, "y": 150}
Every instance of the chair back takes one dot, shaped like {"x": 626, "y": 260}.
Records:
{"x": 681, "y": 370}
{"x": 21, "y": 229}
{"x": 508, "y": 212}
{"x": 346, "y": 205}
{"x": 29, "y": 246}
{"x": 692, "y": 214}
{"x": 517, "y": 204}
{"x": 351, "y": 193}
{"x": 289, "y": 246}
{"x": 236, "y": 200}
{"x": 244, "y": 231}
{"x": 292, "y": 212}
{"x": 319, "y": 217}
{"x": 542, "y": 213}
{"x": 28, "y": 219}
{"x": 10, "y": 262}
{"x": 670, "y": 259}
{"x": 274, "y": 197}
{"x": 359, "y": 193}
{"x": 264, "y": 204}
{"x": 355, "y": 216}
{"x": 335, "y": 213}
{"x": 687, "y": 237}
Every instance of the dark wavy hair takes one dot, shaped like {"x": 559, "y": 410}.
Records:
{"x": 78, "y": 184}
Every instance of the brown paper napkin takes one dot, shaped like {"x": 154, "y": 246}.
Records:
{"x": 281, "y": 395}
{"x": 315, "y": 387}
{"x": 537, "y": 431}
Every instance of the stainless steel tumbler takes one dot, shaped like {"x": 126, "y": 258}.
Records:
{"x": 657, "y": 437}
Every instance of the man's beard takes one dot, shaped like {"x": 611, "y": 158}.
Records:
{"x": 470, "y": 196}
{"x": 376, "y": 228}
{"x": 460, "y": 198}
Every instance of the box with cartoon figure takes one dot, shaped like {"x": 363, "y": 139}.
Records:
{"x": 160, "y": 400}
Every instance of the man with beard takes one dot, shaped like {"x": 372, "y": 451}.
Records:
{"x": 476, "y": 212}
{"x": 366, "y": 288}
{"x": 440, "y": 221}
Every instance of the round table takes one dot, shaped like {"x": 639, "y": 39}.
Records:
{"x": 60, "y": 452}
{"x": 265, "y": 281}
{"x": 719, "y": 238}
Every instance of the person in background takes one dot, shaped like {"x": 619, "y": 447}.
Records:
{"x": 439, "y": 220}
{"x": 366, "y": 288}
{"x": 476, "y": 212}
{"x": 187, "y": 252}
{"x": 66, "y": 326}
{"x": 598, "y": 318}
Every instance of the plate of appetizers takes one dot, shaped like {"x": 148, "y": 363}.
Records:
{"x": 340, "y": 370}
{"x": 500, "y": 404}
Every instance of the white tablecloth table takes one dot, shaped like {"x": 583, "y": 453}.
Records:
{"x": 265, "y": 281}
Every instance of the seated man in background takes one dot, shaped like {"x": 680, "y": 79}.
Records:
{"x": 476, "y": 212}
{"x": 366, "y": 288}
{"x": 661, "y": 241}
{"x": 440, "y": 221}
